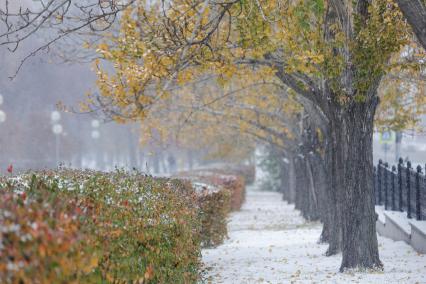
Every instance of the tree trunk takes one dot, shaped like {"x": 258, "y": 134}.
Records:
{"x": 353, "y": 163}
{"x": 415, "y": 13}
{"x": 327, "y": 204}
{"x": 291, "y": 180}
{"x": 156, "y": 163}
{"x": 302, "y": 190}
{"x": 313, "y": 211}
{"x": 332, "y": 230}
{"x": 298, "y": 198}
{"x": 306, "y": 197}
{"x": 190, "y": 158}
{"x": 334, "y": 222}
{"x": 284, "y": 180}
{"x": 131, "y": 144}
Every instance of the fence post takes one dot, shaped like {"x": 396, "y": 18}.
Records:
{"x": 408, "y": 189}
{"x": 386, "y": 185}
{"x": 418, "y": 205}
{"x": 401, "y": 162}
{"x": 393, "y": 187}
{"x": 379, "y": 181}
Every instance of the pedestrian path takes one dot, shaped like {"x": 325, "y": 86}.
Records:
{"x": 270, "y": 243}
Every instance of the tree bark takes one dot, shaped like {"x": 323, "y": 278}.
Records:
{"x": 415, "y": 13}
{"x": 284, "y": 180}
{"x": 313, "y": 210}
{"x": 299, "y": 186}
{"x": 354, "y": 169}
{"x": 334, "y": 225}
{"x": 131, "y": 144}
{"x": 155, "y": 163}
{"x": 327, "y": 202}
{"x": 291, "y": 180}
{"x": 333, "y": 229}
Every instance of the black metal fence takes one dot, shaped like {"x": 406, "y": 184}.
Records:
{"x": 401, "y": 188}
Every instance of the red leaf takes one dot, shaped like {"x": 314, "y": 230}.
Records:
{"x": 79, "y": 211}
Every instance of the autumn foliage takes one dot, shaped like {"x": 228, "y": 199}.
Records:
{"x": 218, "y": 195}
{"x": 214, "y": 206}
{"x": 234, "y": 184}
{"x": 70, "y": 226}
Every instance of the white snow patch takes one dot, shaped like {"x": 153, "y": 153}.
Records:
{"x": 270, "y": 243}
{"x": 400, "y": 219}
{"x": 420, "y": 225}
{"x": 380, "y": 211}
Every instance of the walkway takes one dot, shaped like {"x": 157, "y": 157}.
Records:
{"x": 270, "y": 243}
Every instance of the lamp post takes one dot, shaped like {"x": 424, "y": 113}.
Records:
{"x": 2, "y": 113}
{"x": 95, "y": 134}
{"x": 2, "y": 116}
{"x": 57, "y": 129}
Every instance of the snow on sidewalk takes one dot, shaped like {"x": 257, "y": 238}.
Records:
{"x": 270, "y": 243}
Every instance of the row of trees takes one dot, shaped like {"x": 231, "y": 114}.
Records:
{"x": 301, "y": 75}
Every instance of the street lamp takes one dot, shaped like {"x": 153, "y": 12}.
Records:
{"x": 95, "y": 134}
{"x": 95, "y": 123}
{"x": 2, "y": 116}
{"x": 57, "y": 129}
{"x": 55, "y": 116}
{"x": 2, "y": 113}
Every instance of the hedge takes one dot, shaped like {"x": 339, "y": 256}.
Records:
{"x": 71, "y": 226}
{"x": 248, "y": 172}
{"x": 214, "y": 203}
{"x": 218, "y": 194}
{"x": 235, "y": 184}
{"x": 218, "y": 177}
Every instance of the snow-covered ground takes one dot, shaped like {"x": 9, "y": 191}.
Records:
{"x": 270, "y": 243}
